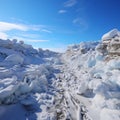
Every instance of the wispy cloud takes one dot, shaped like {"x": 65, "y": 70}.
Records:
{"x": 30, "y": 35}
{"x": 62, "y": 11}
{"x": 5, "y": 26}
{"x": 47, "y": 31}
{"x": 81, "y": 23}
{"x": 70, "y": 3}
{"x": 23, "y": 31}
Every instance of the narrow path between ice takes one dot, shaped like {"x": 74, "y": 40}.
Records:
{"x": 69, "y": 105}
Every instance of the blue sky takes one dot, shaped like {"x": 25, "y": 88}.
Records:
{"x": 54, "y": 24}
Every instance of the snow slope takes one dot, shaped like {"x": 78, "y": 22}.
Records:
{"x": 81, "y": 84}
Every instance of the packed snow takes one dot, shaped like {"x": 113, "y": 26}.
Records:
{"x": 81, "y": 84}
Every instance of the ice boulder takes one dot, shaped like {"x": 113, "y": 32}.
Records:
{"x": 91, "y": 61}
{"x": 114, "y": 64}
{"x": 111, "y": 34}
{"x": 15, "y": 59}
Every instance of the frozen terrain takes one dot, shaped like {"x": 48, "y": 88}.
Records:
{"x": 81, "y": 84}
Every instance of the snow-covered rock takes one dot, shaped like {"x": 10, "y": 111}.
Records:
{"x": 111, "y": 34}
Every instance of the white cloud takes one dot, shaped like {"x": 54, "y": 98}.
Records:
{"x": 36, "y": 27}
{"x": 23, "y": 31}
{"x": 81, "y": 23}
{"x": 30, "y": 35}
{"x": 47, "y": 31}
{"x": 77, "y": 20}
{"x": 5, "y": 26}
{"x": 62, "y": 11}
{"x": 70, "y": 3}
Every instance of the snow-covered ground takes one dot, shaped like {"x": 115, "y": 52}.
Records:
{"x": 81, "y": 84}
